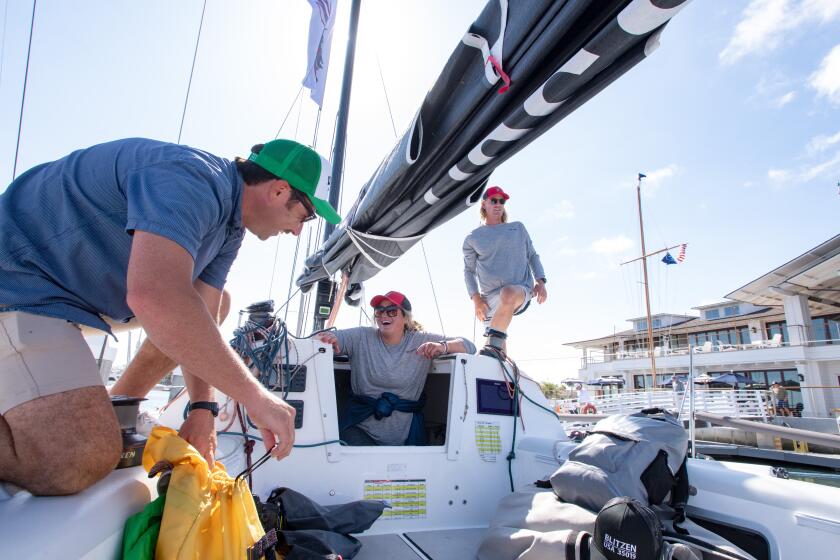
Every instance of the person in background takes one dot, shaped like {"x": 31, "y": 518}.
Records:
{"x": 500, "y": 268}
{"x": 780, "y": 396}
{"x": 141, "y": 230}
{"x": 389, "y": 364}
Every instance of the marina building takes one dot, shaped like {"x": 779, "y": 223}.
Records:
{"x": 781, "y": 327}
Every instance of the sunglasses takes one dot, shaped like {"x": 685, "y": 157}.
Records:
{"x": 306, "y": 203}
{"x": 390, "y": 311}
{"x": 497, "y": 201}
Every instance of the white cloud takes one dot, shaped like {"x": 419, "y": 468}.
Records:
{"x": 765, "y": 24}
{"x": 822, "y": 142}
{"x": 808, "y": 172}
{"x": 612, "y": 245}
{"x": 826, "y": 80}
{"x": 656, "y": 178}
{"x": 785, "y": 99}
{"x": 779, "y": 175}
{"x": 563, "y": 210}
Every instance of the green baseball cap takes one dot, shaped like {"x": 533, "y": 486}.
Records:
{"x": 303, "y": 168}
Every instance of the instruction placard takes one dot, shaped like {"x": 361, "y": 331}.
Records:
{"x": 407, "y": 498}
{"x": 488, "y": 440}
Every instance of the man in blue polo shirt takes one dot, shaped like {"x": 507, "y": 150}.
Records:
{"x": 132, "y": 229}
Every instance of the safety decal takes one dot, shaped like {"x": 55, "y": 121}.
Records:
{"x": 407, "y": 498}
{"x": 488, "y": 440}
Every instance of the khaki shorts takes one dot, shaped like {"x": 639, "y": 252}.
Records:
{"x": 495, "y": 298}
{"x": 41, "y": 356}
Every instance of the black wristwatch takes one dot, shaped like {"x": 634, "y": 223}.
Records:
{"x": 212, "y": 406}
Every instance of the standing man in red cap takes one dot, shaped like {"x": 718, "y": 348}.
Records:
{"x": 389, "y": 365}
{"x": 500, "y": 268}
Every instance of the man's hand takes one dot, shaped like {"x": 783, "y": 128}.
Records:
{"x": 481, "y": 307}
{"x": 539, "y": 291}
{"x": 276, "y": 421}
{"x": 431, "y": 350}
{"x": 199, "y": 430}
{"x": 329, "y": 338}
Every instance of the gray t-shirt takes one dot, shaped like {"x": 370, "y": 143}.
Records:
{"x": 378, "y": 368}
{"x": 500, "y": 255}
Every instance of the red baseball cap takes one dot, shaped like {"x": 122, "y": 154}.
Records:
{"x": 492, "y": 191}
{"x": 396, "y": 298}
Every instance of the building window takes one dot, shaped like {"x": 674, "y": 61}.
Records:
{"x": 825, "y": 330}
{"x": 778, "y": 327}
{"x": 730, "y": 311}
{"x": 642, "y": 325}
{"x": 712, "y": 314}
{"x": 657, "y": 323}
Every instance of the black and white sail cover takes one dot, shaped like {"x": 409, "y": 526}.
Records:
{"x": 557, "y": 54}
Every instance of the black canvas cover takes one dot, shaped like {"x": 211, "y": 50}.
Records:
{"x": 557, "y": 54}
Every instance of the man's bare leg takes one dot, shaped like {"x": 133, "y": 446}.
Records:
{"x": 510, "y": 299}
{"x": 149, "y": 366}
{"x": 60, "y": 444}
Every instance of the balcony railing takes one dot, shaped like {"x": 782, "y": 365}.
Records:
{"x": 741, "y": 403}
{"x": 706, "y": 348}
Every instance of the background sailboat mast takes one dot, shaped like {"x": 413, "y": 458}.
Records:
{"x": 341, "y": 134}
{"x": 647, "y": 291}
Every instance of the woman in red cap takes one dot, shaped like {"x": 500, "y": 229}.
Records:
{"x": 500, "y": 265}
{"x": 389, "y": 364}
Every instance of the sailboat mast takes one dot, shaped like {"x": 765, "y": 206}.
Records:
{"x": 647, "y": 291}
{"x": 338, "y": 150}
{"x": 343, "y": 114}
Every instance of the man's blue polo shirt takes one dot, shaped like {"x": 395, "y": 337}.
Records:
{"x": 66, "y": 226}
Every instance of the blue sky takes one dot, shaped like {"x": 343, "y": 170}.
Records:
{"x": 735, "y": 120}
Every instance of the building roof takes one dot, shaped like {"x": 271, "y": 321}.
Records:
{"x": 696, "y": 324}
{"x": 815, "y": 274}
{"x": 713, "y": 305}
{"x": 661, "y": 315}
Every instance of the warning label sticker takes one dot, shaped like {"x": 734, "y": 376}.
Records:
{"x": 488, "y": 440}
{"x": 407, "y": 498}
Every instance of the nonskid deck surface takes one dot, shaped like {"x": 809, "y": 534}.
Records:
{"x": 444, "y": 544}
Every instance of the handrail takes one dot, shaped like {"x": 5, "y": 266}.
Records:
{"x": 661, "y": 352}
{"x": 741, "y": 403}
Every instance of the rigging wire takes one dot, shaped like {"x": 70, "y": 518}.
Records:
{"x": 297, "y": 241}
{"x": 192, "y": 70}
{"x": 289, "y": 112}
{"x": 385, "y": 90}
{"x": 25, "y": 80}
{"x": 434, "y": 294}
{"x": 422, "y": 245}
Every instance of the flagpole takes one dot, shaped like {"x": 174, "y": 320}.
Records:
{"x": 647, "y": 291}
{"x": 653, "y": 253}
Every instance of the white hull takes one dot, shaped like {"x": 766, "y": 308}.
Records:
{"x": 449, "y": 486}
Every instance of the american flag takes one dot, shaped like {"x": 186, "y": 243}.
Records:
{"x": 681, "y": 256}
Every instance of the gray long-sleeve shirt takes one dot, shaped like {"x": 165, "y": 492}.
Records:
{"x": 377, "y": 367}
{"x": 500, "y": 255}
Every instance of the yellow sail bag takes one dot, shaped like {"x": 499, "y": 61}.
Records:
{"x": 207, "y": 513}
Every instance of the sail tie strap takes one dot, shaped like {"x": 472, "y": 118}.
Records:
{"x": 492, "y": 56}
{"x": 358, "y": 239}
{"x": 498, "y": 67}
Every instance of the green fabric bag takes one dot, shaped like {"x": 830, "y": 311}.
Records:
{"x": 141, "y": 532}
